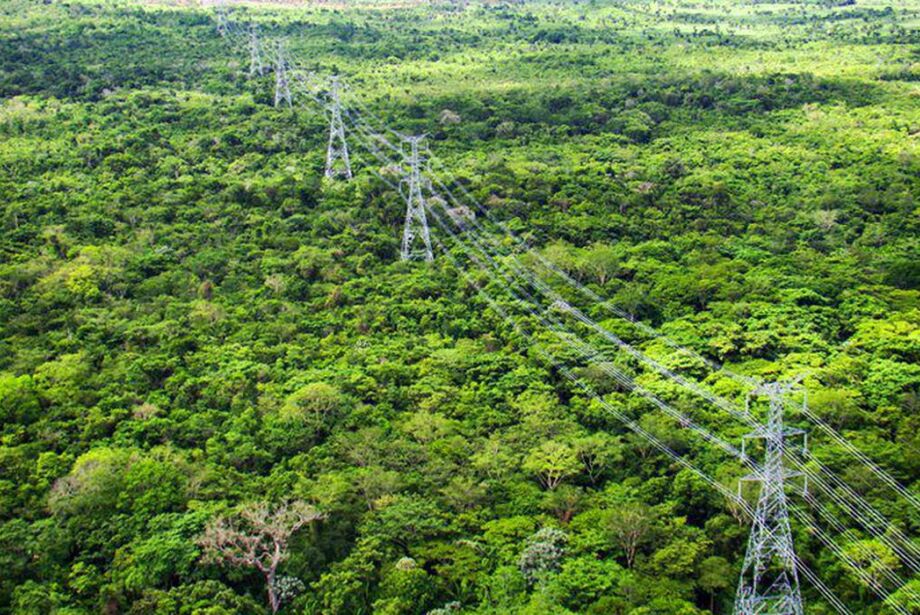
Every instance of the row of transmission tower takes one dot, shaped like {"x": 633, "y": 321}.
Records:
{"x": 416, "y": 239}
{"x": 769, "y": 579}
{"x": 769, "y": 582}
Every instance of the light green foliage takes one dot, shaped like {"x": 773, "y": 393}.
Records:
{"x": 552, "y": 462}
{"x": 404, "y": 589}
{"x": 598, "y": 452}
{"x": 715, "y": 573}
{"x": 312, "y": 402}
{"x": 191, "y": 318}
{"x": 630, "y": 525}
{"x": 115, "y": 485}
{"x": 905, "y": 598}
{"x": 94, "y": 484}
{"x": 504, "y": 536}
{"x": 872, "y": 558}
{"x": 18, "y": 400}
{"x": 667, "y": 606}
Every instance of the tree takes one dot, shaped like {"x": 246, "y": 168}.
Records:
{"x": 663, "y": 428}
{"x": 584, "y": 580}
{"x": 190, "y": 314}
{"x": 905, "y": 598}
{"x": 375, "y": 482}
{"x": 405, "y": 587}
{"x": 18, "y": 399}
{"x": 873, "y": 558}
{"x": 552, "y": 462}
{"x": 714, "y": 576}
{"x": 563, "y": 502}
{"x": 257, "y": 537}
{"x": 94, "y": 482}
{"x": 313, "y": 402}
{"x": 404, "y": 520}
{"x": 602, "y": 262}
{"x": 543, "y": 554}
{"x": 630, "y": 525}
{"x": 598, "y": 452}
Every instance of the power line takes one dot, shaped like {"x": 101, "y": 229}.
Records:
{"x": 599, "y": 301}
{"x": 852, "y": 509}
{"x": 727, "y": 406}
{"x": 745, "y": 416}
{"x": 769, "y": 497}
{"x": 438, "y": 219}
{"x": 376, "y": 141}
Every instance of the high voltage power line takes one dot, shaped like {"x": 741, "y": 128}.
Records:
{"x": 745, "y": 416}
{"x": 769, "y": 581}
{"x": 373, "y": 147}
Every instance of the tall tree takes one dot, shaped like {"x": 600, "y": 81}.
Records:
{"x": 630, "y": 526}
{"x": 258, "y": 536}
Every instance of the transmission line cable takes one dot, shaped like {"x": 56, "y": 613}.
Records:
{"x": 561, "y": 368}
{"x": 725, "y": 405}
{"x": 441, "y": 223}
{"x": 368, "y": 132}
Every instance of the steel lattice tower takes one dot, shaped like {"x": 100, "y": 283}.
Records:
{"x": 221, "y": 20}
{"x": 416, "y": 226}
{"x": 282, "y": 86}
{"x": 337, "y": 150}
{"x": 255, "y": 53}
{"x": 769, "y": 583}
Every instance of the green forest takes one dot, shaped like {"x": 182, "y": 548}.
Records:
{"x": 222, "y": 391}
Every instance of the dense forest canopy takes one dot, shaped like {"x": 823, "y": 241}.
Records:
{"x": 202, "y": 341}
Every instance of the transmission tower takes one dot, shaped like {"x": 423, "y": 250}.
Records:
{"x": 769, "y": 583}
{"x": 221, "y": 20}
{"x": 256, "y": 69}
{"x": 416, "y": 226}
{"x": 337, "y": 150}
{"x": 282, "y": 86}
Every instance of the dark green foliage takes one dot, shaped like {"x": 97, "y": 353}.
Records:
{"x": 191, "y": 319}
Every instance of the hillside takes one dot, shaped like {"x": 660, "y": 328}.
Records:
{"x": 194, "y": 321}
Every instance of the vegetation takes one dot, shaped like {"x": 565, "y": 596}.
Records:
{"x": 200, "y": 339}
